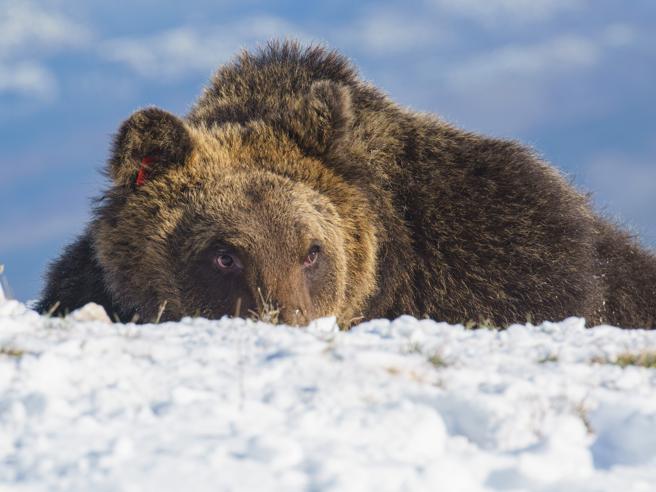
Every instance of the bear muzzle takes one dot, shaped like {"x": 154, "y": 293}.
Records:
{"x": 287, "y": 298}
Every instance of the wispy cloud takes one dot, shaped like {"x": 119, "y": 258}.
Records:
{"x": 518, "y": 80}
{"x": 27, "y": 78}
{"x": 619, "y": 35}
{"x": 29, "y": 29}
{"x": 388, "y": 32}
{"x": 28, "y": 33}
{"x": 174, "y": 53}
{"x": 538, "y": 61}
{"x": 494, "y": 12}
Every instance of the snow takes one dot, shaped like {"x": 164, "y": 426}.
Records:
{"x": 395, "y": 405}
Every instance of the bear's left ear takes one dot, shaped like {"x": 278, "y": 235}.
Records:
{"x": 322, "y": 117}
{"x": 146, "y": 145}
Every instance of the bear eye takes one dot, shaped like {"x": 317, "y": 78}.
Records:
{"x": 226, "y": 262}
{"x": 312, "y": 256}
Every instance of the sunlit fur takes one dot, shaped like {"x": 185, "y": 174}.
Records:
{"x": 288, "y": 146}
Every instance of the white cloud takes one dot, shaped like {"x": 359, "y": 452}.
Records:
{"x": 29, "y": 79}
{"x": 542, "y": 60}
{"x": 176, "y": 52}
{"x": 27, "y": 34}
{"x": 618, "y": 35}
{"x": 390, "y": 32}
{"x": 492, "y": 12}
{"x": 510, "y": 88}
{"x": 26, "y": 28}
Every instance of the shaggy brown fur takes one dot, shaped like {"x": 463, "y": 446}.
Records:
{"x": 325, "y": 198}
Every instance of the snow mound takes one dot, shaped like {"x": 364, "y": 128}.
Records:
{"x": 391, "y": 405}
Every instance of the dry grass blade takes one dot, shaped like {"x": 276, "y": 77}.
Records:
{"x": 643, "y": 359}
{"x": 12, "y": 352}
{"x": 52, "y": 309}
{"x": 581, "y": 410}
{"x": 238, "y": 308}
{"x": 160, "y": 312}
{"x": 268, "y": 311}
{"x": 351, "y": 323}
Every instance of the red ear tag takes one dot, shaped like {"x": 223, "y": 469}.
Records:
{"x": 142, "y": 175}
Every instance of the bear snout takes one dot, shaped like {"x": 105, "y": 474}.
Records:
{"x": 287, "y": 295}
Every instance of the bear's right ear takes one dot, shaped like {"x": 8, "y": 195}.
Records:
{"x": 146, "y": 145}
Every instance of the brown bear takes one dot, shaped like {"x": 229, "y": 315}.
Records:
{"x": 294, "y": 184}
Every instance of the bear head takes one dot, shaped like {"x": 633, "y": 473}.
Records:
{"x": 224, "y": 219}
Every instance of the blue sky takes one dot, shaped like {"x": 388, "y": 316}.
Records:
{"x": 575, "y": 79}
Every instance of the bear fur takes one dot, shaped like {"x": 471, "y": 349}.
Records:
{"x": 292, "y": 183}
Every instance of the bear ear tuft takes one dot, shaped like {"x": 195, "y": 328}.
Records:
{"x": 322, "y": 117}
{"x": 146, "y": 145}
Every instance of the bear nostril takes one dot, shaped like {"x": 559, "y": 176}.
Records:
{"x": 292, "y": 316}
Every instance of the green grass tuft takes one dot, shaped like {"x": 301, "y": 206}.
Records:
{"x": 642, "y": 359}
{"x": 12, "y": 352}
{"x": 438, "y": 361}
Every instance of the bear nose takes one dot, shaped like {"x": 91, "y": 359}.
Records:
{"x": 293, "y": 316}
{"x": 288, "y": 295}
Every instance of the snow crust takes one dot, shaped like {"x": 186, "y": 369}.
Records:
{"x": 391, "y": 405}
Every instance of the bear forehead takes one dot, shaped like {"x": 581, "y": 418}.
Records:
{"x": 233, "y": 146}
{"x": 253, "y": 167}
{"x": 244, "y": 204}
